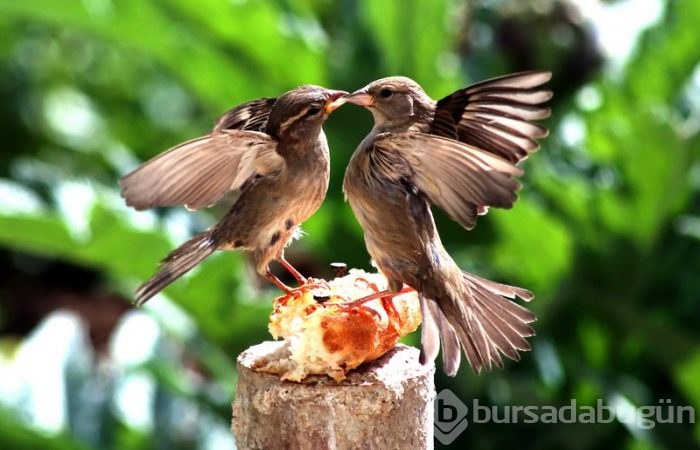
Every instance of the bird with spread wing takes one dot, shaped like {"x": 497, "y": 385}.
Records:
{"x": 270, "y": 154}
{"x": 460, "y": 154}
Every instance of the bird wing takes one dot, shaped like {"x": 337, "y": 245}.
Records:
{"x": 198, "y": 173}
{"x": 250, "y": 116}
{"x": 494, "y": 115}
{"x": 461, "y": 179}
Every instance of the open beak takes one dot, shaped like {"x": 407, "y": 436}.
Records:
{"x": 334, "y": 101}
{"x": 360, "y": 97}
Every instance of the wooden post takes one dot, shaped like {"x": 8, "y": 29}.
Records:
{"x": 387, "y": 403}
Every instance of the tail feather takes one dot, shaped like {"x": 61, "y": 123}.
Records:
{"x": 176, "y": 264}
{"x": 470, "y": 347}
{"x": 502, "y": 308}
{"x": 430, "y": 333}
{"x": 500, "y": 288}
{"x": 501, "y": 335}
{"x": 451, "y": 353}
{"x": 475, "y": 340}
{"x": 504, "y": 322}
{"x": 436, "y": 330}
{"x": 482, "y": 319}
{"x": 507, "y": 332}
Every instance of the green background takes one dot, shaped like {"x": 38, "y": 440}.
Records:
{"x": 606, "y": 231}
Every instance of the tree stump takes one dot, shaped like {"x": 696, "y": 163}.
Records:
{"x": 387, "y": 403}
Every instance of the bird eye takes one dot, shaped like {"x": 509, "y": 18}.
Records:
{"x": 386, "y": 93}
{"x": 312, "y": 111}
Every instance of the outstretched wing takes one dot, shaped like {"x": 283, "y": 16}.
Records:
{"x": 494, "y": 115}
{"x": 250, "y": 116}
{"x": 198, "y": 173}
{"x": 461, "y": 179}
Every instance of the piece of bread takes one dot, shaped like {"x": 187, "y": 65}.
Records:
{"x": 325, "y": 335}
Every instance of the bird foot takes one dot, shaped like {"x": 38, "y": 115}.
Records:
{"x": 295, "y": 273}
{"x": 368, "y": 284}
{"x": 311, "y": 284}
{"x": 385, "y": 294}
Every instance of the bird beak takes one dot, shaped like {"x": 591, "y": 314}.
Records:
{"x": 360, "y": 97}
{"x": 334, "y": 101}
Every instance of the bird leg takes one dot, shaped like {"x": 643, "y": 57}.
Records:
{"x": 386, "y": 293}
{"x": 368, "y": 284}
{"x": 392, "y": 313}
{"x": 276, "y": 281}
{"x": 299, "y": 277}
{"x": 306, "y": 285}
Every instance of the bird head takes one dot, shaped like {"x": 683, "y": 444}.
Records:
{"x": 300, "y": 113}
{"x": 395, "y": 102}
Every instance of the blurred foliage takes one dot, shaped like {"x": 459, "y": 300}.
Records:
{"x": 606, "y": 231}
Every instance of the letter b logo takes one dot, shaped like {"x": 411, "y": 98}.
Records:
{"x": 450, "y": 416}
{"x": 446, "y": 412}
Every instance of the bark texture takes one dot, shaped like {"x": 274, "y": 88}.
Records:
{"x": 385, "y": 404}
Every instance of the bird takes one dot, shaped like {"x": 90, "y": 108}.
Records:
{"x": 459, "y": 154}
{"x": 271, "y": 155}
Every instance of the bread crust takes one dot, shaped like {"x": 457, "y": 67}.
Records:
{"x": 325, "y": 334}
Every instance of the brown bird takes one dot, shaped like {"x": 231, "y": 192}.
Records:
{"x": 270, "y": 154}
{"x": 458, "y": 153}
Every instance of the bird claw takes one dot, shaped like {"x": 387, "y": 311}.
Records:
{"x": 311, "y": 284}
{"x": 318, "y": 283}
{"x": 348, "y": 306}
{"x": 368, "y": 284}
{"x": 392, "y": 313}
{"x": 296, "y": 293}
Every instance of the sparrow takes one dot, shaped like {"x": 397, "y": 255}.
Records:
{"x": 460, "y": 154}
{"x": 270, "y": 154}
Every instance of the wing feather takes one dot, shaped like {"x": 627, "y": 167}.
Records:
{"x": 460, "y": 179}
{"x": 494, "y": 115}
{"x": 198, "y": 173}
{"x": 249, "y": 116}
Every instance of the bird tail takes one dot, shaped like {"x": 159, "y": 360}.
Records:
{"x": 176, "y": 264}
{"x": 481, "y": 319}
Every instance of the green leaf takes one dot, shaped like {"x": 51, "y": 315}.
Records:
{"x": 188, "y": 47}
{"x": 412, "y": 41}
{"x": 532, "y": 246}
{"x": 686, "y": 376}
{"x": 16, "y": 436}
